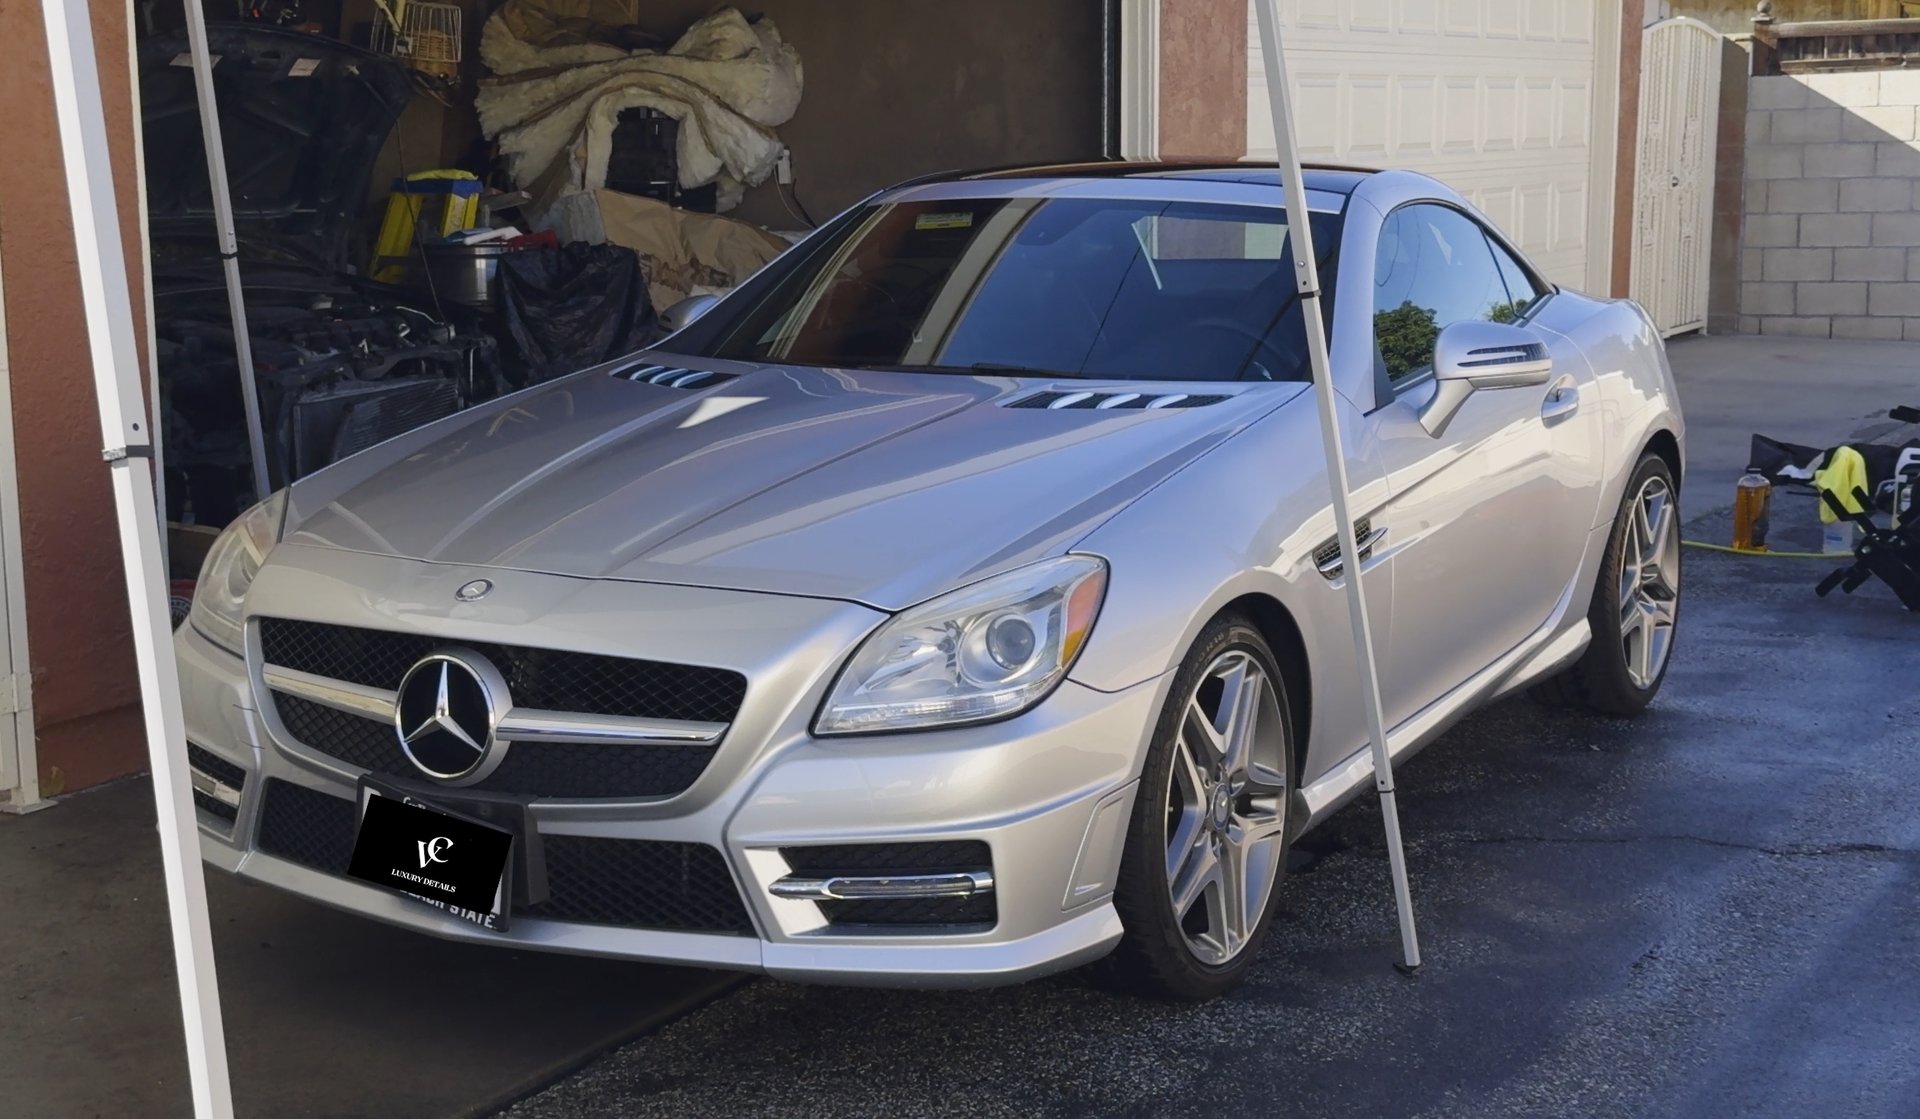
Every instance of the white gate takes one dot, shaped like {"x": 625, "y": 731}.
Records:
{"x": 1673, "y": 186}
{"x": 19, "y": 772}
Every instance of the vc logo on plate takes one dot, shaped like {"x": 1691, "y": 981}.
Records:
{"x": 431, "y": 850}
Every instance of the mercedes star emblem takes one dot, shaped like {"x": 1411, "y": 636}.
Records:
{"x": 445, "y": 713}
{"x": 474, "y": 591}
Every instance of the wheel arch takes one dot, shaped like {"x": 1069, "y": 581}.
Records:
{"x": 1666, "y": 444}
{"x": 1282, "y": 633}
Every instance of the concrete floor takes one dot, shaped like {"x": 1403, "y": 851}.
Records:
{"x": 326, "y": 1015}
{"x": 1708, "y": 912}
{"x": 1802, "y": 390}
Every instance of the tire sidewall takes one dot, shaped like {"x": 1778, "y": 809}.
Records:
{"x": 1604, "y": 618}
{"x": 1153, "y": 934}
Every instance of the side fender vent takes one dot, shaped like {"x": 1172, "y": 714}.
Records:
{"x": 672, "y": 376}
{"x": 1055, "y": 400}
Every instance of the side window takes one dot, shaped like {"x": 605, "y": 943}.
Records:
{"x": 1522, "y": 291}
{"x": 1433, "y": 268}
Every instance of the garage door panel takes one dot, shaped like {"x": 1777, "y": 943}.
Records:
{"x": 1493, "y": 97}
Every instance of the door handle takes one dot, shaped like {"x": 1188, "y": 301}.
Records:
{"x": 1364, "y": 535}
{"x": 1563, "y": 400}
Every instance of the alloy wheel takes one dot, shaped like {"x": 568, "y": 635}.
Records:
{"x": 1649, "y": 582}
{"x": 1226, "y": 807}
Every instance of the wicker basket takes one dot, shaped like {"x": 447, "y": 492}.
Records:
{"x": 425, "y": 36}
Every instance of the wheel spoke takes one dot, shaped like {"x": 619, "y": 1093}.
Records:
{"x": 1640, "y": 657}
{"x": 1257, "y": 842}
{"x": 1201, "y": 869}
{"x": 1201, "y": 737}
{"x": 1233, "y": 926}
{"x": 1629, "y": 610}
{"x": 1657, "y": 640}
{"x": 1240, "y": 710}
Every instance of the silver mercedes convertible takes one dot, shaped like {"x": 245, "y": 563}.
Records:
{"x": 954, "y": 602}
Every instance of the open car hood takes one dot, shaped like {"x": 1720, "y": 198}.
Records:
{"x": 303, "y": 118}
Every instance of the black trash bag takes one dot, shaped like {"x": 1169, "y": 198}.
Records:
{"x": 567, "y": 308}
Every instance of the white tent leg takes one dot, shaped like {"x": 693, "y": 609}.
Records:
{"x": 1307, "y": 275}
{"x": 229, "y": 245}
{"x": 124, "y": 427}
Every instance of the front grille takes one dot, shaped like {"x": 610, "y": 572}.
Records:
{"x": 900, "y": 858}
{"x": 307, "y": 827}
{"x": 914, "y": 913}
{"x": 222, "y": 771}
{"x": 639, "y": 884}
{"x": 634, "y": 883}
{"x": 530, "y": 769}
{"x": 547, "y": 679}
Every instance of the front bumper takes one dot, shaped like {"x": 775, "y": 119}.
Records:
{"x": 1049, "y": 793}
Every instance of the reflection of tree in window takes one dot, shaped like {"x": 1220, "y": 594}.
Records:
{"x": 1406, "y": 336}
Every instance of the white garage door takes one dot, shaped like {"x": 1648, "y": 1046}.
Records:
{"x": 1494, "y": 97}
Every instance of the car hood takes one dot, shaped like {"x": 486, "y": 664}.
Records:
{"x": 876, "y": 487}
{"x": 302, "y": 119}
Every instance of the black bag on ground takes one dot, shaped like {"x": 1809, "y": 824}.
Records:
{"x": 571, "y": 307}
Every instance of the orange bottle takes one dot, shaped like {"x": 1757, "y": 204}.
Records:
{"x": 1752, "y": 502}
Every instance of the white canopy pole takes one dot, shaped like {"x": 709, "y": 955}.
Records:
{"x": 229, "y": 244}
{"x": 128, "y": 452}
{"x": 1307, "y": 274}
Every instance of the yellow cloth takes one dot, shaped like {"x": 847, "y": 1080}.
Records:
{"x": 1845, "y": 472}
{"x": 394, "y": 246}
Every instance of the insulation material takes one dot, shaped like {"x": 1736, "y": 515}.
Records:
{"x": 557, "y": 94}
{"x": 686, "y": 253}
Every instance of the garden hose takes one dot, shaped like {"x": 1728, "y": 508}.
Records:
{"x": 1765, "y": 555}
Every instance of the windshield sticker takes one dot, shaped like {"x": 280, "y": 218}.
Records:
{"x": 304, "y": 68}
{"x": 185, "y": 59}
{"x": 944, "y": 221}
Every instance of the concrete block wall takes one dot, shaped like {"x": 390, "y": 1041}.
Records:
{"x": 1830, "y": 244}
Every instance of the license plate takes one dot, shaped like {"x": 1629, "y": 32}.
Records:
{"x": 448, "y": 861}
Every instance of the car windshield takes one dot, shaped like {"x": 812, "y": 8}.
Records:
{"x": 1098, "y": 288}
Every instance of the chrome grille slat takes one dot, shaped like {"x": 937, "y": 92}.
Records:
{"x": 583, "y": 725}
{"x": 521, "y": 724}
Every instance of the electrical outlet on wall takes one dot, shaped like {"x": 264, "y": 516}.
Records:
{"x": 784, "y": 169}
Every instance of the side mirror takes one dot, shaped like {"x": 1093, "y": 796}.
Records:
{"x": 679, "y": 316}
{"x": 1471, "y": 356}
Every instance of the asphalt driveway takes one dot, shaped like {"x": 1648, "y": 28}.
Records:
{"x": 1714, "y": 910}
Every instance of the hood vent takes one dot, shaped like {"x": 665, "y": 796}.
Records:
{"x": 672, "y": 376}
{"x": 1116, "y": 401}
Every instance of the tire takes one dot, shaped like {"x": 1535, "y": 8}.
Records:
{"x": 1636, "y": 603}
{"x": 1202, "y": 948}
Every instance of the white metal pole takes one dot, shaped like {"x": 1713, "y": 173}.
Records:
{"x": 128, "y": 451}
{"x": 229, "y": 245}
{"x": 146, "y": 286}
{"x": 1307, "y": 276}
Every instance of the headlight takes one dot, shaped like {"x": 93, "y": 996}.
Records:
{"x": 982, "y": 652}
{"x": 232, "y": 562}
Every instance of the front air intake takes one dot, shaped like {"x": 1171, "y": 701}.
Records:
{"x": 1056, "y": 400}
{"x": 671, "y": 376}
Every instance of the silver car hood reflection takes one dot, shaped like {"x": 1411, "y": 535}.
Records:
{"x": 876, "y": 487}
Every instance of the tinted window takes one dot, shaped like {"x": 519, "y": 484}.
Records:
{"x": 1097, "y": 287}
{"x": 1522, "y": 291}
{"x": 1434, "y": 268}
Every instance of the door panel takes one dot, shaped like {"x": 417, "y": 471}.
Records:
{"x": 1489, "y": 519}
